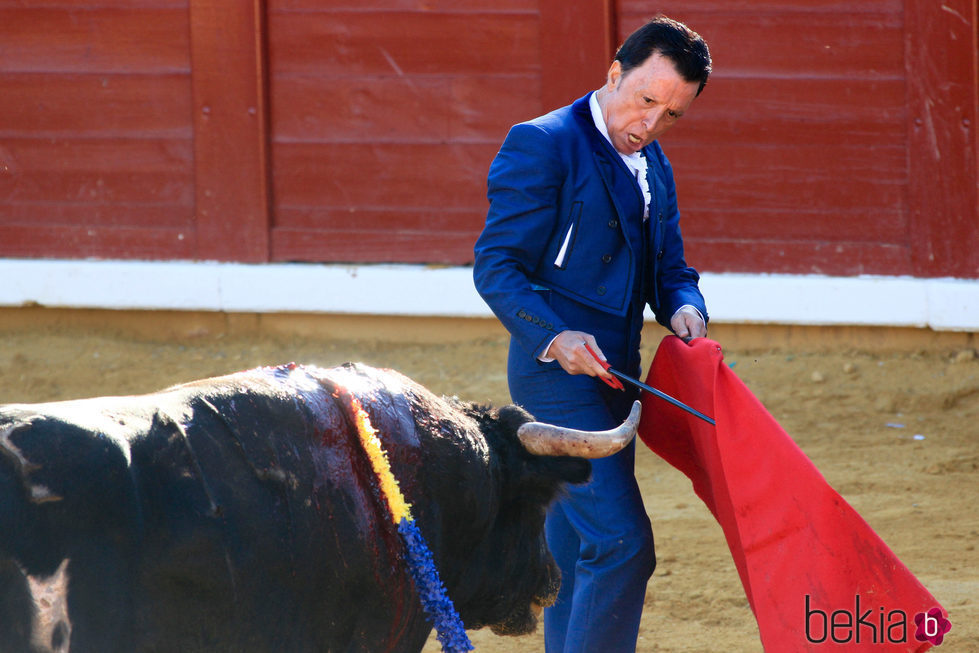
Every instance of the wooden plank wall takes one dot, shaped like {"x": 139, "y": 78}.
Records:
{"x": 941, "y": 46}
{"x": 834, "y": 137}
{"x": 385, "y": 116}
{"x": 797, "y": 156}
{"x": 95, "y": 133}
{"x": 231, "y": 166}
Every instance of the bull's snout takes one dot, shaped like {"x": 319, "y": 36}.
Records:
{"x": 548, "y": 440}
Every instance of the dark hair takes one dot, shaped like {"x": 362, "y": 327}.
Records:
{"x": 673, "y": 40}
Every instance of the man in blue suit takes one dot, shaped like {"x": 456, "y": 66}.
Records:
{"x": 583, "y": 232}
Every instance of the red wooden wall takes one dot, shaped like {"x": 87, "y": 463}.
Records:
{"x": 834, "y": 137}
{"x": 96, "y": 137}
{"x": 385, "y": 116}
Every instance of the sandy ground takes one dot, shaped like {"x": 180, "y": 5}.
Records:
{"x": 895, "y": 433}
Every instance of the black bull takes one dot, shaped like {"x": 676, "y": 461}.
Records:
{"x": 241, "y": 514}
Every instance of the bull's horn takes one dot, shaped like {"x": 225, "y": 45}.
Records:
{"x": 549, "y": 440}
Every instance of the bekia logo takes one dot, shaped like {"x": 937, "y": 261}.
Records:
{"x": 872, "y": 625}
{"x": 931, "y": 626}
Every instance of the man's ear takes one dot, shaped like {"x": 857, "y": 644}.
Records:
{"x": 614, "y": 75}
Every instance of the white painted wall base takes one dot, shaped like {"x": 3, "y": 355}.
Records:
{"x": 940, "y": 304}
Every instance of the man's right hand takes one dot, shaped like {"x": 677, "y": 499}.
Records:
{"x": 568, "y": 349}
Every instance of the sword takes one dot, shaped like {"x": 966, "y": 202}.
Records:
{"x": 615, "y": 383}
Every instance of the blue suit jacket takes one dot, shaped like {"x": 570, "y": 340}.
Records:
{"x": 558, "y": 196}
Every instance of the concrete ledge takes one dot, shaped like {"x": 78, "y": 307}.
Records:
{"x": 424, "y": 291}
{"x": 187, "y": 326}
{"x": 939, "y": 304}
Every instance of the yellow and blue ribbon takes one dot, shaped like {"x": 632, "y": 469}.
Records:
{"x": 432, "y": 593}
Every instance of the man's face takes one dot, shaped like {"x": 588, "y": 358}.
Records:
{"x": 643, "y": 104}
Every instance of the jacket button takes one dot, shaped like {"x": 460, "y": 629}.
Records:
{"x": 660, "y": 216}
{"x": 659, "y": 254}
{"x": 601, "y": 290}
{"x": 521, "y": 313}
{"x": 613, "y": 223}
{"x": 607, "y": 258}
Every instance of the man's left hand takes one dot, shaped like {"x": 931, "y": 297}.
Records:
{"x": 688, "y": 323}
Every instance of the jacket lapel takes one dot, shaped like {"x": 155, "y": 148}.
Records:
{"x": 612, "y": 178}
{"x": 610, "y": 167}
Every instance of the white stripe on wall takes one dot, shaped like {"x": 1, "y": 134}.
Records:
{"x": 941, "y": 304}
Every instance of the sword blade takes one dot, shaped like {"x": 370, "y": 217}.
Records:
{"x": 662, "y": 395}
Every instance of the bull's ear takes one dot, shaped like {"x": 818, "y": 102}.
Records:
{"x": 564, "y": 469}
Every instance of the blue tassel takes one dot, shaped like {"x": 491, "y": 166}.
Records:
{"x": 434, "y": 598}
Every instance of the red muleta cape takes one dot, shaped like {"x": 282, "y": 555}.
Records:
{"x": 790, "y": 534}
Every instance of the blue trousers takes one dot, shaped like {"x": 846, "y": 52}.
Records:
{"x": 598, "y": 533}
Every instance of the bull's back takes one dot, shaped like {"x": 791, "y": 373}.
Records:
{"x": 235, "y": 513}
